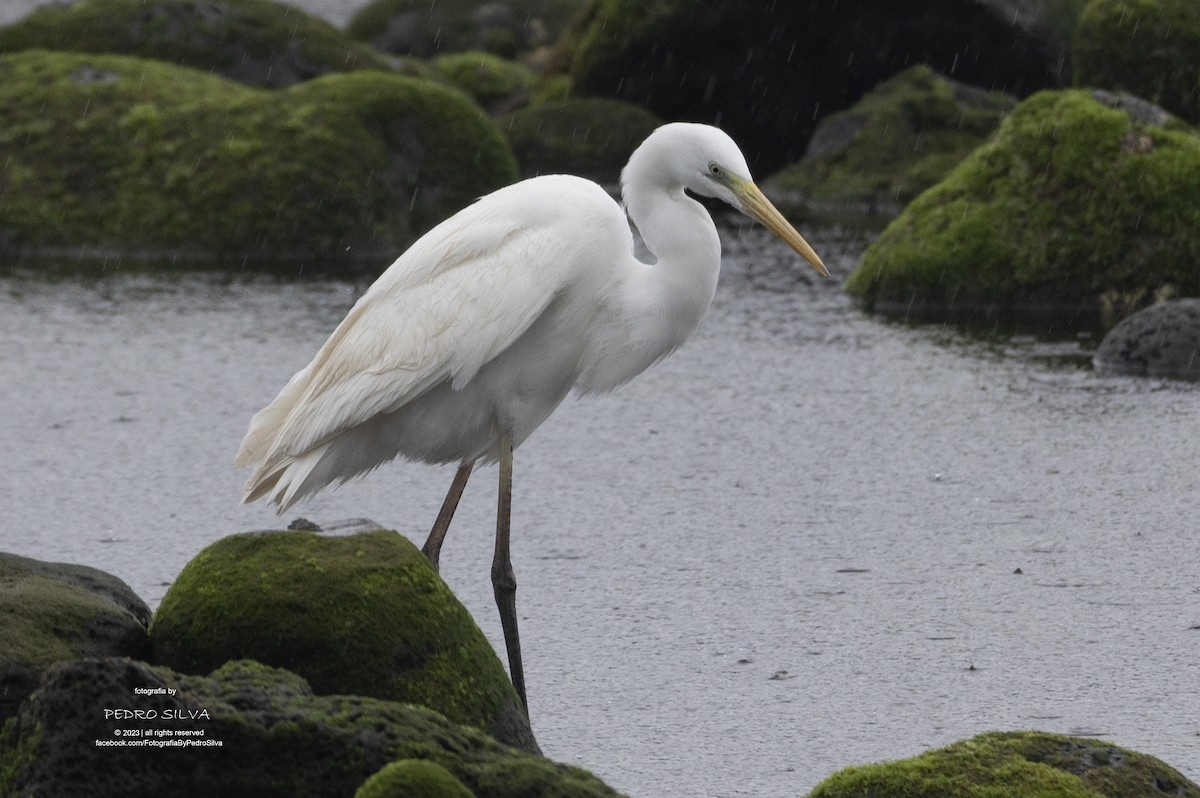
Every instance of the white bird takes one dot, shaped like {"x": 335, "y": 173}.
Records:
{"x": 474, "y": 335}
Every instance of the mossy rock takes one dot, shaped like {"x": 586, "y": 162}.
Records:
{"x": 897, "y": 141}
{"x": 767, "y": 72}
{"x": 256, "y": 42}
{"x": 1027, "y": 764}
{"x": 589, "y": 137}
{"x": 1081, "y": 201}
{"x": 50, "y": 612}
{"x": 497, "y": 84}
{"x": 413, "y": 778}
{"x": 418, "y": 27}
{"x": 1149, "y": 48}
{"x": 112, "y": 154}
{"x": 360, "y": 614}
{"x": 277, "y": 739}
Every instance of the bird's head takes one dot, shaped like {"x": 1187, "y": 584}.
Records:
{"x": 705, "y": 161}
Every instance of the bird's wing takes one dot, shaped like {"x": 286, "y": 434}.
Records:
{"x": 458, "y": 298}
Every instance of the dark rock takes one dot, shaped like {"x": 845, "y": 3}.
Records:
{"x": 897, "y": 141}
{"x": 254, "y": 731}
{"x": 1150, "y": 48}
{"x": 591, "y": 137}
{"x": 1162, "y": 340}
{"x": 361, "y": 614}
{"x": 1074, "y": 212}
{"x": 56, "y": 611}
{"x": 1024, "y": 763}
{"x": 256, "y": 42}
{"x": 503, "y": 27}
{"x": 767, "y": 72}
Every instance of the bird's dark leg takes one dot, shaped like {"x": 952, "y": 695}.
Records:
{"x": 433, "y": 544}
{"x": 503, "y": 582}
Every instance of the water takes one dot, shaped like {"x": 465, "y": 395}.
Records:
{"x": 788, "y": 548}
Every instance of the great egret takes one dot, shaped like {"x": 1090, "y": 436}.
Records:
{"x": 473, "y": 336}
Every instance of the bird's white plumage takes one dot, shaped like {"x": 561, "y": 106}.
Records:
{"x": 485, "y": 324}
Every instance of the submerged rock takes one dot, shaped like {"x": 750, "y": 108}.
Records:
{"x": 897, "y": 141}
{"x": 50, "y": 612}
{"x": 1150, "y": 48}
{"x": 1077, "y": 204}
{"x": 1162, "y": 341}
{"x": 246, "y": 730}
{"x": 1014, "y": 764}
{"x": 256, "y": 42}
{"x": 103, "y": 158}
{"x": 360, "y": 614}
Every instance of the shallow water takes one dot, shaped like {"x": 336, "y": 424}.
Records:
{"x": 790, "y": 547}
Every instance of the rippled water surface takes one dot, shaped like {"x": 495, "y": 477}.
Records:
{"x": 808, "y": 539}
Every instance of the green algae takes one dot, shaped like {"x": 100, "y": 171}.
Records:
{"x": 1002, "y": 764}
{"x": 362, "y": 615}
{"x": 413, "y": 778}
{"x": 592, "y": 137}
{"x": 1073, "y": 203}
{"x": 113, "y": 153}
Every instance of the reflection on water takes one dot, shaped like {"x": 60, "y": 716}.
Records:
{"x": 808, "y": 539}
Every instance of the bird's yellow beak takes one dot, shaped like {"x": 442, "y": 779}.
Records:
{"x": 757, "y": 206}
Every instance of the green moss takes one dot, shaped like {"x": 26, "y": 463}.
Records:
{"x": 999, "y": 765}
{"x": 1070, "y": 201}
{"x": 900, "y": 139}
{"x": 135, "y": 155}
{"x": 413, "y": 778}
{"x": 591, "y": 137}
{"x": 494, "y": 82}
{"x": 362, "y": 614}
{"x": 1150, "y": 48}
{"x": 256, "y": 41}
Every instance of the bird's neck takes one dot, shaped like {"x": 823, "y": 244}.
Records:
{"x": 681, "y": 236}
{"x": 656, "y": 306}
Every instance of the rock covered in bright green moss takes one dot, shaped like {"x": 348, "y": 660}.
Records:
{"x": 51, "y": 612}
{"x": 1150, "y": 48}
{"x": 496, "y": 83}
{"x": 1080, "y": 202}
{"x": 257, "y": 42}
{"x": 1028, "y": 764}
{"x": 360, "y": 614}
{"x": 421, "y": 28}
{"x": 276, "y": 739}
{"x": 136, "y": 156}
{"x": 590, "y": 137}
{"x": 413, "y": 778}
{"x": 895, "y": 142}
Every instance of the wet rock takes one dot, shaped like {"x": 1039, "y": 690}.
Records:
{"x": 902, "y": 137}
{"x": 1162, "y": 341}
{"x": 256, "y": 42}
{"x": 589, "y": 137}
{"x": 413, "y": 778}
{"x": 51, "y": 612}
{"x": 246, "y": 730}
{"x": 497, "y": 84}
{"x": 361, "y": 614}
{"x": 1074, "y": 207}
{"x": 1150, "y": 48}
{"x": 767, "y": 72}
{"x": 344, "y": 169}
{"x": 1017, "y": 764}
{"x": 503, "y": 27}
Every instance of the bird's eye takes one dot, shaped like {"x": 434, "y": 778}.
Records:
{"x": 714, "y": 170}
